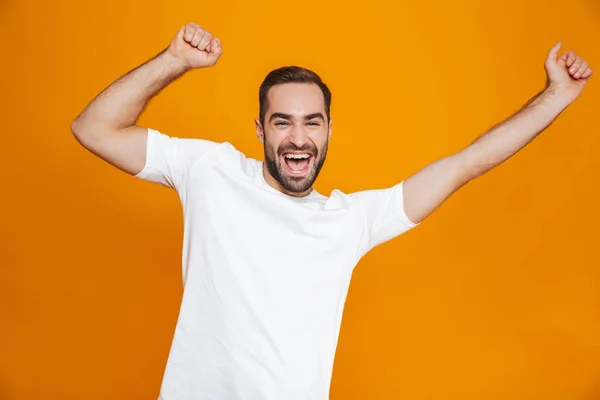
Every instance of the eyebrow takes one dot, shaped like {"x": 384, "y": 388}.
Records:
{"x": 289, "y": 116}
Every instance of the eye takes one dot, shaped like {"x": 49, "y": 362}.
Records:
{"x": 281, "y": 123}
{"x": 314, "y": 123}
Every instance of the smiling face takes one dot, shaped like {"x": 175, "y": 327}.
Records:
{"x": 295, "y": 134}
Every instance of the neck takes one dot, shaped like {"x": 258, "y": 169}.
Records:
{"x": 277, "y": 186}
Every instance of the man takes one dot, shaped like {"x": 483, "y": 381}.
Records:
{"x": 267, "y": 260}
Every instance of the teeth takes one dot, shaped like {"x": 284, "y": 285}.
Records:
{"x": 297, "y": 156}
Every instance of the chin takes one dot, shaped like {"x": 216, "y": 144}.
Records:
{"x": 296, "y": 183}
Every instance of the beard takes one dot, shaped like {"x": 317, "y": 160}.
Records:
{"x": 277, "y": 169}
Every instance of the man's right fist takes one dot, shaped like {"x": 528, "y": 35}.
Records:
{"x": 195, "y": 47}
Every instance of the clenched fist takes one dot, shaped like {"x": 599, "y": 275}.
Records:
{"x": 195, "y": 47}
{"x": 568, "y": 73}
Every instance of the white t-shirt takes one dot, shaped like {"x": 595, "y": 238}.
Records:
{"x": 265, "y": 274}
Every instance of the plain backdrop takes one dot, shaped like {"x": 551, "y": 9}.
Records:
{"x": 495, "y": 296}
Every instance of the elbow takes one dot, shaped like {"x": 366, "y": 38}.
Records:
{"x": 77, "y": 127}
{"x": 82, "y": 131}
{"x": 74, "y": 128}
{"x": 82, "y": 128}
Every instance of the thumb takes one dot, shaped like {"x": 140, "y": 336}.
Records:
{"x": 180, "y": 33}
{"x": 553, "y": 52}
{"x": 215, "y": 50}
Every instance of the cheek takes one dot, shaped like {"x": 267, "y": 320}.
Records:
{"x": 274, "y": 140}
{"x": 321, "y": 139}
{"x": 271, "y": 148}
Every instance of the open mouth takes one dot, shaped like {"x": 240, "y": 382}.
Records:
{"x": 297, "y": 162}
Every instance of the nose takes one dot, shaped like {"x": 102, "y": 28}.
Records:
{"x": 298, "y": 136}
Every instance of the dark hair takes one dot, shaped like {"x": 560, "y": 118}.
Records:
{"x": 290, "y": 74}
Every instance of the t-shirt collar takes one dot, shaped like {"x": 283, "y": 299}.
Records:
{"x": 313, "y": 193}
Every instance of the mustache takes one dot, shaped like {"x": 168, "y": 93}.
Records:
{"x": 292, "y": 147}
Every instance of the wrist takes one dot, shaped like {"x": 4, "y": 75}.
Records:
{"x": 554, "y": 98}
{"x": 174, "y": 63}
{"x": 558, "y": 95}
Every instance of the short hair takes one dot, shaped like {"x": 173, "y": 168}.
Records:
{"x": 290, "y": 74}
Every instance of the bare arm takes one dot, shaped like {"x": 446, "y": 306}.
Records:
{"x": 107, "y": 126}
{"x": 431, "y": 186}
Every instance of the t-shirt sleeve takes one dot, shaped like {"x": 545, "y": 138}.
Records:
{"x": 384, "y": 212}
{"x": 169, "y": 158}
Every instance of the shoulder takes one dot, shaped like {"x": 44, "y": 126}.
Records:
{"x": 358, "y": 198}
{"x": 371, "y": 201}
{"x": 229, "y": 154}
{"x": 340, "y": 199}
{"x": 229, "y": 159}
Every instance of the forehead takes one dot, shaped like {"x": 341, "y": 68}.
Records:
{"x": 296, "y": 98}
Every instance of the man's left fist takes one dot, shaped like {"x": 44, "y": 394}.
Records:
{"x": 568, "y": 73}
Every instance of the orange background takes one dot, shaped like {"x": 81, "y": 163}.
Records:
{"x": 495, "y": 296}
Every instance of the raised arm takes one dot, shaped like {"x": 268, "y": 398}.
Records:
{"x": 430, "y": 187}
{"x": 107, "y": 126}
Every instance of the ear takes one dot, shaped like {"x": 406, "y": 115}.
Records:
{"x": 329, "y": 134}
{"x": 260, "y": 134}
